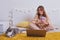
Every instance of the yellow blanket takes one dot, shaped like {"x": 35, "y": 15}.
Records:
{"x": 49, "y": 36}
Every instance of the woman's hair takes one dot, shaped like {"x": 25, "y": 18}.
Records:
{"x": 41, "y": 9}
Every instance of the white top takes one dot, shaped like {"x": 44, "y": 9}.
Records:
{"x": 42, "y": 18}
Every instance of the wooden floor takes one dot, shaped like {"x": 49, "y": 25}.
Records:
{"x": 49, "y": 36}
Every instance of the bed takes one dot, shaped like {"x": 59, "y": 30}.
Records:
{"x": 23, "y": 36}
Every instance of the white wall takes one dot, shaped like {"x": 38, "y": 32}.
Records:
{"x": 52, "y": 8}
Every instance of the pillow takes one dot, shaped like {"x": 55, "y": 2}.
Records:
{"x": 24, "y": 24}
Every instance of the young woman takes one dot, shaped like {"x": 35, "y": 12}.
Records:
{"x": 41, "y": 20}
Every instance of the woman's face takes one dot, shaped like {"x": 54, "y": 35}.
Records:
{"x": 41, "y": 11}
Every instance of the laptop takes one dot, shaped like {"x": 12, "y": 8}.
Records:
{"x": 36, "y": 33}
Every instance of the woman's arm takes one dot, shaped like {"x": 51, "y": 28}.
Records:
{"x": 51, "y": 26}
{"x": 35, "y": 20}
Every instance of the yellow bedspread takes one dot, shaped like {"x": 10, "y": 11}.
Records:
{"x": 49, "y": 36}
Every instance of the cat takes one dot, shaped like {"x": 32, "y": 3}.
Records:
{"x": 13, "y": 31}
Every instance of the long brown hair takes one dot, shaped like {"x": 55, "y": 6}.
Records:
{"x": 42, "y": 9}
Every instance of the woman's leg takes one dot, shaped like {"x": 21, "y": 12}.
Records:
{"x": 49, "y": 28}
{"x": 34, "y": 26}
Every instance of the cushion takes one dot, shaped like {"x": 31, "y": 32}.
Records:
{"x": 24, "y": 24}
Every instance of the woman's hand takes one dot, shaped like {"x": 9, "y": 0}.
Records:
{"x": 35, "y": 21}
{"x": 45, "y": 22}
